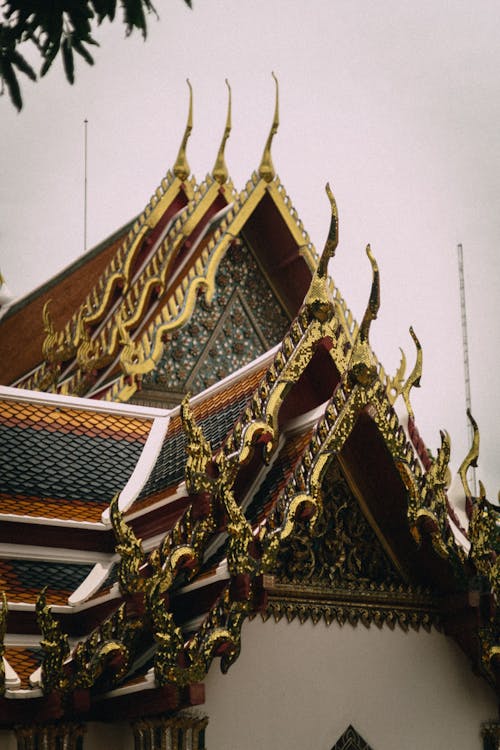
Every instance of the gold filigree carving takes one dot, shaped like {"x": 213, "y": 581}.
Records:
{"x": 395, "y": 385}
{"x": 415, "y": 375}
{"x": 129, "y": 547}
{"x": 54, "y": 645}
{"x": 484, "y": 535}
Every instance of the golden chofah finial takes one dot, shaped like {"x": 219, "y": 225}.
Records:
{"x": 220, "y": 172}
{"x": 318, "y": 299}
{"x": 363, "y": 367}
{"x": 332, "y": 240}
{"x": 181, "y": 166}
{"x": 266, "y": 169}
{"x": 414, "y": 376}
{"x": 471, "y": 457}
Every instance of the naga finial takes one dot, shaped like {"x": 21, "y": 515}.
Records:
{"x": 318, "y": 299}
{"x": 181, "y": 166}
{"x": 220, "y": 172}
{"x": 363, "y": 367}
{"x": 414, "y": 376}
{"x": 48, "y": 325}
{"x": 332, "y": 240}
{"x": 198, "y": 450}
{"x": 266, "y": 169}
{"x": 471, "y": 457}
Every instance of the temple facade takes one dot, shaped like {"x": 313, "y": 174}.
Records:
{"x": 220, "y": 526}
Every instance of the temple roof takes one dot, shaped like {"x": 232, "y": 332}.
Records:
{"x": 137, "y": 540}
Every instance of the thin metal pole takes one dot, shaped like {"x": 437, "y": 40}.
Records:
{"x": 85, "y": 188}
{"x": 465, "y": 346}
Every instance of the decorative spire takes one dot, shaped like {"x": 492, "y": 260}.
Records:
{"x": 363, "y": 367}
{"x": 220, "y": 172}
{"x": 332, "y": 240}
{"x": 318, "y": 300}
{"x": 414, "y": 376}
{"x": 471, "y": 457}
{"x": 181, "y": 166}
{"x": 266, "y": 169}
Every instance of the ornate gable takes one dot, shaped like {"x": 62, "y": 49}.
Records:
{"x": 243, "y": 320}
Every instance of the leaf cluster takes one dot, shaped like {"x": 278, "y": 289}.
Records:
{"x": 54, "y": 26}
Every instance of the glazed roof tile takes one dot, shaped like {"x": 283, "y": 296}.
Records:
{"x": 216, "y": 415}
{"x": 22, "y": 580}
{"x": 94, "y": 454}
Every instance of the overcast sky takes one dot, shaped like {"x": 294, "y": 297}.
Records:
{"x": 397, "y": 104}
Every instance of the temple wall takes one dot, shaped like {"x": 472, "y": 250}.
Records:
{"x": 300, "y": 686}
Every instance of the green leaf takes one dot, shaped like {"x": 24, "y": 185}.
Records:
{"x": 10, "y": 79}
{"x": 22, "y": 65}
{"x": 68, "y": 61}
{"x": 78, "y": 47}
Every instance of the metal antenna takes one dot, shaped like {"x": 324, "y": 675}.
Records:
{"x": 85, "y": 123}
{"x": 465, "y": 347}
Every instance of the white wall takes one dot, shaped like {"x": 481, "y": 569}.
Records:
{"x": 300, "y": 686}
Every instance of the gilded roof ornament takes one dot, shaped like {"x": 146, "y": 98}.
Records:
{"x": 266, "y": 169}
{"x": 471, "y": 457}
{"x": 318, "y": 299}
{"x": 363, "y": 367}
{"x": 181, "y": 167}
{"x": 414, "y": 376}
{"x": 220, "y": 172}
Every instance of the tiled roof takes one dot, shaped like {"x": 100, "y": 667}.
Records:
{"x": 24, "y": 661}
{"x": 216, "y": 415}
{"x": 22, "y": 580}
{"x": 51, "y": 456}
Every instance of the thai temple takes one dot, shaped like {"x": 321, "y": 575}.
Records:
{"x": 220, "y": 526}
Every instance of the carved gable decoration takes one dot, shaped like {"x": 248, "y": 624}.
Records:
{"x": 243, "y": 320}
{"x": 344, "y": 550}
{"x": 351, "y": 740}
{"x": 341, "y": 571}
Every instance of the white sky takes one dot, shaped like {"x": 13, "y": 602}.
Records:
{"x": 396, "y": 103}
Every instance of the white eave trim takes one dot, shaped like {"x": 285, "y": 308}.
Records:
{"x": 83, "y": 404}
{"x": 143, "y": 467}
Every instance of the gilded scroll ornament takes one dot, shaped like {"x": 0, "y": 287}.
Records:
{"x": 54, "y": 643}
{"x": 484, "y": 535}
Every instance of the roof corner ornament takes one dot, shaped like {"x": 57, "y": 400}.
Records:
{"x": 484, "y": 535}
{"x": 198, "y": 450}
{"x": 471, "y": 457}
{"x": 54, "y": 645}
{"x": 414, "y": 376}
{"x": 181, "y": 167}
{"x": 220, "y": 171}
{"x": 363, "y": 367}
{"x": 266, "y": 168}
{"x": 318, "y": 301}
{"x": 129, "y": 547}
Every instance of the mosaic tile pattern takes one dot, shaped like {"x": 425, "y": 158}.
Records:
{"x": 216, "y": 416}
{"x": 58, "y": 454}
{"x": 24, "y": 661}
{"x": 22, "y": 580}
{"x": 244, "y": 320}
